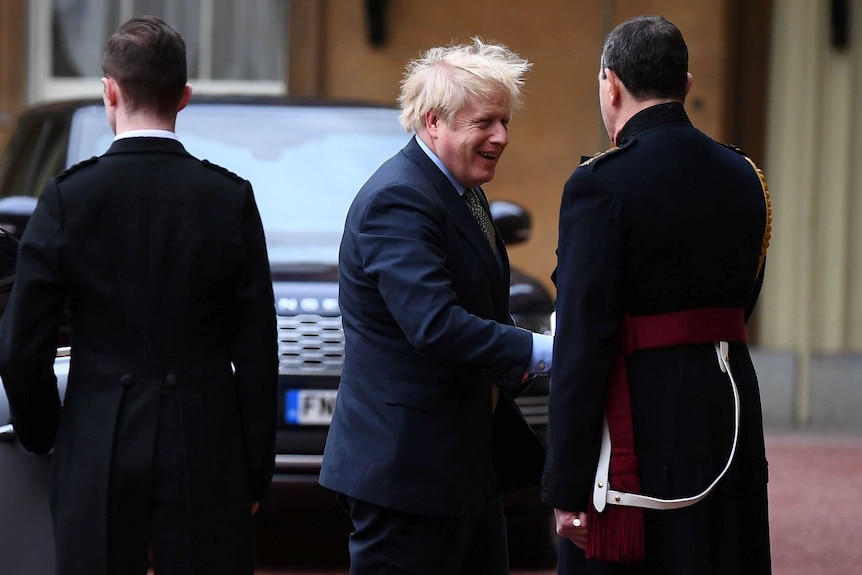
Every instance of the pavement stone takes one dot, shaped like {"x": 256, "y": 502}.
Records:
{"x": 815, "y": 497}
{"x": 815, "y": 503}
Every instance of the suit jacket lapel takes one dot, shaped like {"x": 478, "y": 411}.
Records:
{"x": 501, "y": 291}
{"x": 460, "y": 212}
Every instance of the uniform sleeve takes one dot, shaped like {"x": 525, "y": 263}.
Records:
{"x": 755, "y": 292}
{"x": 254, "y": 352}
{"x": 585, "y": 341}
{"x": 30, "y": 327}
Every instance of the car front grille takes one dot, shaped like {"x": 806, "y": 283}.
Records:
{"x": 534, "y": 408}
{"x": 310, "y": 344}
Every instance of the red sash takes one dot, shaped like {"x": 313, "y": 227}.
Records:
{"x": 617, "y": 534}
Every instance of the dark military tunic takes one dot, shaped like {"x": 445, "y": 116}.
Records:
{"x": 670, "y": 220}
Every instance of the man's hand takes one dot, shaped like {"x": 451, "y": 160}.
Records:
{"x": 572, "y": 526}
{"x": 254, "y": 507}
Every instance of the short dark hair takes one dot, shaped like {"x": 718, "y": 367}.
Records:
{"x": 147, "y": 58}
{"x": 649, "y": 56}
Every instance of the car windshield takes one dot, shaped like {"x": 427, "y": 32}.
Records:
{"x": 305, "y": 163}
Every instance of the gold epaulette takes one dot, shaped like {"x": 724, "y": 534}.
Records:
{"x": 767, "y": 230}
{"x": 589, "y": 161}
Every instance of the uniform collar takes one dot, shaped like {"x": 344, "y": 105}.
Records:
{"x": 669, "y": 113}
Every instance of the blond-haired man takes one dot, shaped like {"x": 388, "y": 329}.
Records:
{"x": 432, "y": 360}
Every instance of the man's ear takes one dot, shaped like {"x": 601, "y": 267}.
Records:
{"x": 432, "y": 122}
{"x": 110, "y": 92}
{"x": 184, "y": 99}
{"x": 614, "y": 86}
{"x": 688, "y": 82}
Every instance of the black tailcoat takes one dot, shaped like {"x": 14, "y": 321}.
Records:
{"x": 162, "y": 260}
{"x": 671, "y": 220}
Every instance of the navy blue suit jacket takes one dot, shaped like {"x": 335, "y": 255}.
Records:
{"x": 425, "y": 306}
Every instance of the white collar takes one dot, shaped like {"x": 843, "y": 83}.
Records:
{"x": 147, "y": 134}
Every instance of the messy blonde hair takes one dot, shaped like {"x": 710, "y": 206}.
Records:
{"x": 444, "y": 78}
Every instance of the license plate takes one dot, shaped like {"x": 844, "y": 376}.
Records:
{"x": 309, "y": 406}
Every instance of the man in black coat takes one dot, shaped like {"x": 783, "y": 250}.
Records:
{"x": 165, "y": 439}
{"x": 661, "y": 247}
{"x": 432, "y": 358}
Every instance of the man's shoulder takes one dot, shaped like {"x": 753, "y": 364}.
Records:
{"x": 740, "y": 152}
{"x": 76, "y": 168}
{"x": 615, "y": 153}
{"x": 587, "y": 161}
{"x": 402, "y": 169}
{"x": 734, "y": 148}
{"x": 221, "y": 170}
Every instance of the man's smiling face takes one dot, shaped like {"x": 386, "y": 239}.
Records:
{"x": 471, "y": 143}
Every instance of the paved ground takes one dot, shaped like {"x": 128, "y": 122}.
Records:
{"x": 815, "y": 496}
{"x": 815, "y": 513}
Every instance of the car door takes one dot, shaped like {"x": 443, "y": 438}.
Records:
{"x": 26, "y": 537}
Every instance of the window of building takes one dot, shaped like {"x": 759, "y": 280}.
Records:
{"x": 232, "y": 46}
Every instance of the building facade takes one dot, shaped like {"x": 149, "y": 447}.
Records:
{"x": 778, "y": 79}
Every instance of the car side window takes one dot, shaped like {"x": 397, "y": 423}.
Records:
{"x": 36, "y": 151}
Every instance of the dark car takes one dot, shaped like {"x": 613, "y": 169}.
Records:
{"x": 305, "y": 160}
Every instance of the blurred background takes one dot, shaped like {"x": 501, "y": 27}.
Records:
{"x": 778, "y": 79}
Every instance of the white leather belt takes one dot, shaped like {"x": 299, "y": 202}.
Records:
{"x": 603, "y": 494}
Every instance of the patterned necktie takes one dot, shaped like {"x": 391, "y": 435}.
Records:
{"x": 482, "y": 216}
{"x": 484, "y": 219}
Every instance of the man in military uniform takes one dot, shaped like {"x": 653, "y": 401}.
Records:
{"x": 660, "y": 256}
